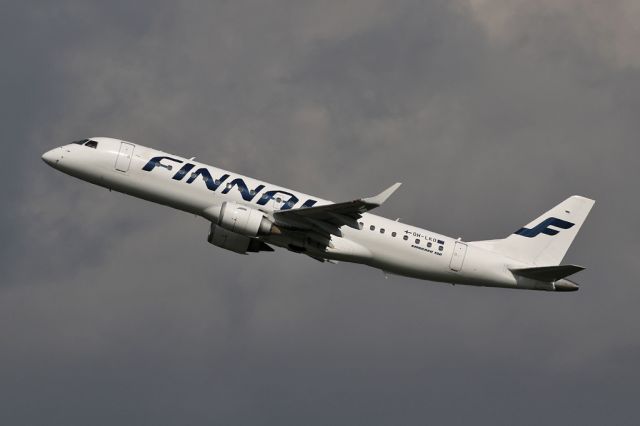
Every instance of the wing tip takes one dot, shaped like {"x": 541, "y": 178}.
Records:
{"x": 383, "y": 196}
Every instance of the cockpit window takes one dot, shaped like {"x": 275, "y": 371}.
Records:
{"x": 80, "y": 142}
{"x": 91, "y": 144}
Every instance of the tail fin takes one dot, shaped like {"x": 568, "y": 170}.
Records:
{"x": 546, "y": 240}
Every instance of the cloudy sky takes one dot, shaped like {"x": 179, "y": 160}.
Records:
{"x": 117, "y": 311}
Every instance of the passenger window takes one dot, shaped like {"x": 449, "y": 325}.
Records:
{"x": 382, "y": 230}
{"x": 417, "y": 240}
{"x": 440, "y": 248}
{"x": 373, "y": 228}
{"x": 91, "y": 144}
{"x": 393, "y": 234}
{"x": 428, "y": 244}
{"x": 405, "y": 238}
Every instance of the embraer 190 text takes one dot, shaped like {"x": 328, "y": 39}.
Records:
{"x": 248, "y": 215}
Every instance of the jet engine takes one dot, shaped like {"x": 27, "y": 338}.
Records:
{"x": 243, "y": 220}
{"x": 221, "y": 237}
{"x": 235, "y": 226}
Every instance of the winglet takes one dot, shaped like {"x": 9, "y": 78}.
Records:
{"x": 382, "y": 197}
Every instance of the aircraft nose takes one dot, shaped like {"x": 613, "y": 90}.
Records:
{"x": 51, "y": 157}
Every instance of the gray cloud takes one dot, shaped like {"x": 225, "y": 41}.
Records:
{"x": 113, "y": 310}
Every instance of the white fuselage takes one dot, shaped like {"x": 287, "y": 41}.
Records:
{"x": 389, "y": 245}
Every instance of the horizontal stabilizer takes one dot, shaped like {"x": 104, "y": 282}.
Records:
{"x": 548, "y": 273}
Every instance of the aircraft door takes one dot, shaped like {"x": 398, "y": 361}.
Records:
{"x": 124, "y": 156}
{"x": 457, "y": 258}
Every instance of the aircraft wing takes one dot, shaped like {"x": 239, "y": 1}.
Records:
{"x": 330, "y": 217}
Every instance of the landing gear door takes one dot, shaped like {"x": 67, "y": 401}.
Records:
{"x": 457, "y": 259}
{"x": 124, "y": 156}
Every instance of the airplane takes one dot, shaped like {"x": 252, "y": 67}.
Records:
{"x": 247, "y": 216}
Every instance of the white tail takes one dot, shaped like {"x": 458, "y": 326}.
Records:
{"x": 545, "y": 240}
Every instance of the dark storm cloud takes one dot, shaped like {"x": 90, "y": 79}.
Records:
{"x": 117, "y": 311}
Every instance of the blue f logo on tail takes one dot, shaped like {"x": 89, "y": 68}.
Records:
{"x": 543, "y": 227}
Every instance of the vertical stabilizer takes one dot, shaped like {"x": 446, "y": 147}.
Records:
{"x": 546, "y": 240}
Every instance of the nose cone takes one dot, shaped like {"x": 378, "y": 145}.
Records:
{"x": 565, "y": 285}
{"x": 51, "y": 157}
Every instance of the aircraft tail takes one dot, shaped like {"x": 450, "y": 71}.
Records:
{"x": 548, "y": 273}
{"x": 545, "y": 240}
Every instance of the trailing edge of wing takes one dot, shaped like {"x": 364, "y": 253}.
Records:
{"x": 548, "y": 273}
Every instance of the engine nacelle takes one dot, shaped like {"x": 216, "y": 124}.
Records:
{"x": 243, "y": 220}
{"x": 221, "y": 237}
